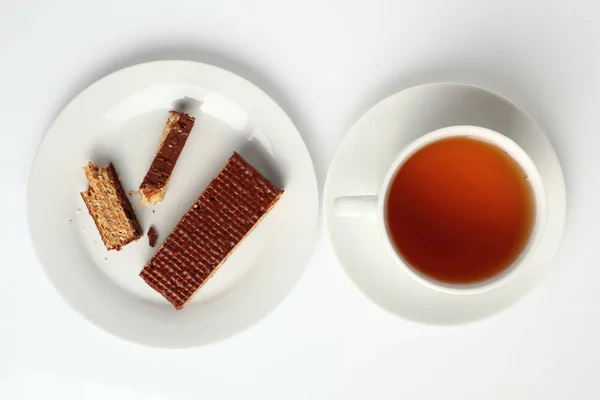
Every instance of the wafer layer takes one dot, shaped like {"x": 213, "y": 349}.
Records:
{"x": 225, "y": 213}
{"x": 109, "y": 207}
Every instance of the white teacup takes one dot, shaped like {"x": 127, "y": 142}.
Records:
{"x": 373, "y": 205}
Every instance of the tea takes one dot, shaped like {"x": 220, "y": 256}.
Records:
{"x": 460, "y": 210}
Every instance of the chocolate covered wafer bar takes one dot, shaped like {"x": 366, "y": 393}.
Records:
{"x": 109, "y": 207}
{"x": 225, "y": 213}
{"x": 175, "y": 134}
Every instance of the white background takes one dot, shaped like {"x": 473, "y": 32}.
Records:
{"x": 325, "y": 62}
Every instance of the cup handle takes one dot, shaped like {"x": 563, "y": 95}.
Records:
{"x": 356, "y": 206}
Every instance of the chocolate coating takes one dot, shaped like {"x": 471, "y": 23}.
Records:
{"x": 224, "y": 214}
{"x": 177, "y": 131}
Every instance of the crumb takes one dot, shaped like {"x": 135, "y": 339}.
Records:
{"x": 70, "y": 221}
{"x": 78, "y": 211}
{"x": 153, "y": 211}
{"x": 105, "y": 259}
{"x": 132, "y": 192}
{"x": 152, "y": 236}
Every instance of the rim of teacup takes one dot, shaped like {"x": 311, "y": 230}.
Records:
{"x": 518, "y": 155}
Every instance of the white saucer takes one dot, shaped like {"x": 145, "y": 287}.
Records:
{"x": 120, "y": 119}
{"x": 361, "y": 163}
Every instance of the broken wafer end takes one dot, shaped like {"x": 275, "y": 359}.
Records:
{"x": 152, "y": 196}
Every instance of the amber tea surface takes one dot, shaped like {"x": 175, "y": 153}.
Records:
{"x": 460, "y": 210}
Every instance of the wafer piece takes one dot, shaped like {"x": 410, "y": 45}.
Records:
{"x": 224, "y": 214}
{"x": 174, "y": 136}
{"x": 109, "y": 207}
{"x": 152, "y": 236}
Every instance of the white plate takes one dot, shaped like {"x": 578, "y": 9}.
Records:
{"x": 360, "y": 165}
{"x": 120, "y": 119}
